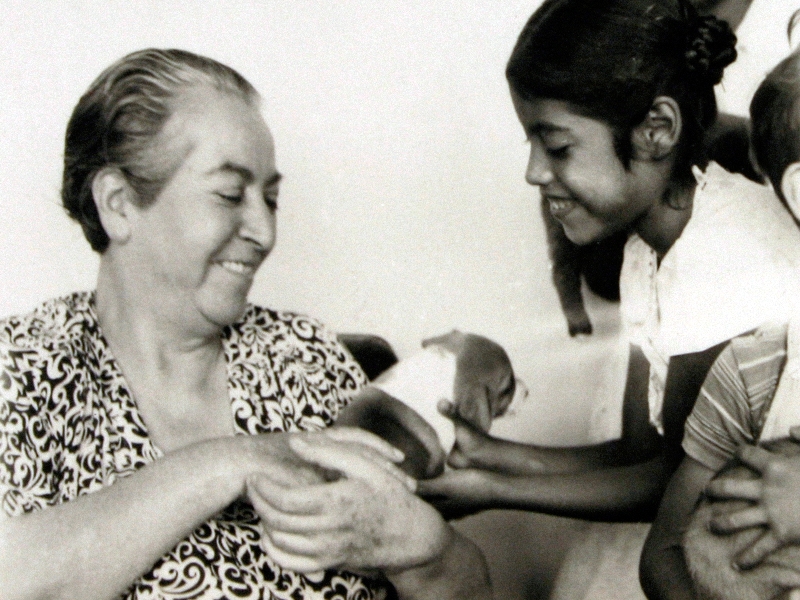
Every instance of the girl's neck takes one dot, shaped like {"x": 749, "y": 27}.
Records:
{"x": 663, "y": 224}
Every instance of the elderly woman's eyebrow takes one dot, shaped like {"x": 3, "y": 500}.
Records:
{"x": 246, "y": 174}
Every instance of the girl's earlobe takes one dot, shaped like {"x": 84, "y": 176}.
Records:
{"x": 658, "y": 134}
{"x": 112, "y": 195}
{"x": 790, "y": 188}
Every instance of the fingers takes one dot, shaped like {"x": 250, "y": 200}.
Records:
{"x": 293, "y": 562}
{"x": 355, "y": 435}
{"x": 742, "y": 519}
{"x": 305, "y": 500}
{"x": 755, "y": 457}
{"x": 726, "y": 488}
{"x": 753, "y": 555}
{"x": 448, "y": 409}
{"x": 264, "y": 494}
{"x": 351, "y": 460}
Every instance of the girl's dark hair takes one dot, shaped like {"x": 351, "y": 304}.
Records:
{"x": 775, "y": 120}
{"x": 117, "y": 122}
{"x": 610, "y": 59}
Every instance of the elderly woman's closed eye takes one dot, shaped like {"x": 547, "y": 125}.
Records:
{"x": 143, "y": 421}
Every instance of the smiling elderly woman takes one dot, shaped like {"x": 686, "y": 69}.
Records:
{"x": 140, "y": 424}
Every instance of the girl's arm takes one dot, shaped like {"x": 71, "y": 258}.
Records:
{"x": 662, "y": 570}
{"x": 622, "y": 480}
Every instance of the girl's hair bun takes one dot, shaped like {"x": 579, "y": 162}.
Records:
{"x": 712, "y": 47}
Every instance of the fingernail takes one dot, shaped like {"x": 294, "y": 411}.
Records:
{"x": 736, "y": 566}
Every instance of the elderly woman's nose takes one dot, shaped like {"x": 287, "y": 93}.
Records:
{"x": 538, "y": 171}
{"x": 258, "y": 221}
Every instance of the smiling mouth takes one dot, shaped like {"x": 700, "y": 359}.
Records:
{"x": 560, "y": 207}
{"x": 239, "y": 268}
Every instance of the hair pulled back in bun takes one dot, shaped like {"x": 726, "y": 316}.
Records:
{"x": 610, "y": 59}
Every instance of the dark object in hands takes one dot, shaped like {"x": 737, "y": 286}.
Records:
{"x": 710, "y": 556}
{"x": 372, "y": 352}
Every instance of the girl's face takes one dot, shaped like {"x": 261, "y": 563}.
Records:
{"x": 574, "y": 164}
{"x": 201, "y": 241}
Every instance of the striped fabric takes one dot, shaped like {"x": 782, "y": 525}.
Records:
{"x": 736, "y": 396}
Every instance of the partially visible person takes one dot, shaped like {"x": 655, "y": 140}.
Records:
{"x": 148, "y": 427}
{"x": 751, "y": 392}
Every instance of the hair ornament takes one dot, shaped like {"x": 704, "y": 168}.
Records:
{"x": 711, "y": 48}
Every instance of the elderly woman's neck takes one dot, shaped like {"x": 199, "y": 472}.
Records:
{"x": 138, "y": 323}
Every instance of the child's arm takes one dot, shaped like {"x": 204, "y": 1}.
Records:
{"x": 662, "y": 571}
{"x": 619, "y": 480}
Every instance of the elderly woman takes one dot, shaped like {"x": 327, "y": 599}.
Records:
{"x": 140, "y": 424}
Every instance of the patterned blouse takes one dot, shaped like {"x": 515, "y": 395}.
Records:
{"x": 69, "y": 426}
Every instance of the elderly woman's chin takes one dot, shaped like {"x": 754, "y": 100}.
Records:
{"x": 223, "y": 305}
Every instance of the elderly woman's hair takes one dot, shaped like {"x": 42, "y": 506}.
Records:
{"x": 610, "y": 59}
{"x": 117, "y": 121}
{"x": 775, "y": 120}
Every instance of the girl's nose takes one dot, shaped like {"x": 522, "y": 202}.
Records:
{"x": 258, "y": 221}
{"x": 538, "y": 171}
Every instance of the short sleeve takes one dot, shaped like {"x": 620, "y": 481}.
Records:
{"x": 735, "y": 397}
{"x": 28, "y": 450}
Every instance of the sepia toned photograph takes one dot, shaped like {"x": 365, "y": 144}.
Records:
{"x": 414, "y": 300}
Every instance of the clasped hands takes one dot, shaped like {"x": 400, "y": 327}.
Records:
{"x": 773, "y": 502}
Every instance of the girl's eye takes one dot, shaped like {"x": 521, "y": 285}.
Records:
{"x": 271, "y": 202}
{"x": 558, "y": 151}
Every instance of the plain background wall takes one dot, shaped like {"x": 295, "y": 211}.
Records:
{"x": 403, "y": 211}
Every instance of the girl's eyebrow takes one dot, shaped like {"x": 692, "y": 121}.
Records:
{"x": 540, "y": 128}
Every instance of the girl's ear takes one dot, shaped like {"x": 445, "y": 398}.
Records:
{"x": 658, "y": 134}
{"x": 790, "y": 188}
{"x": 112, "y": 195}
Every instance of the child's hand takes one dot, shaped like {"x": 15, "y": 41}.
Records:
{"x": 776, "y": 502}
{"x": 484, "y": 384}
{"x": 470, "y": 442}
{"x": 461, "y": 493}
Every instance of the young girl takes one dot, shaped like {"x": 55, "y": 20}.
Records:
{"x": 614, "y": 97}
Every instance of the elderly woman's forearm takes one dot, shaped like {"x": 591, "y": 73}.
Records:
{"x": 97, "y": 545}
{"x": 459, "y": 573}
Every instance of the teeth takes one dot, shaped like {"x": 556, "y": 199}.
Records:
{"x": 237, "y": 267}
{"x": 560, "y": 205}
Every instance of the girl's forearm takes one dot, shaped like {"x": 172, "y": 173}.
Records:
{"x": 627, "y": 493}
{"x": 515, "y": 458}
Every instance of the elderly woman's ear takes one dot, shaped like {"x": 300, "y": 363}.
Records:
{"x": 113, "y": 196}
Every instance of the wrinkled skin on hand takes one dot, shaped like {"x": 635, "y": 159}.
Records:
{"x": 368, "y": 519}
{"x": 714, "y": 556}
{"x": 485, "y": 383}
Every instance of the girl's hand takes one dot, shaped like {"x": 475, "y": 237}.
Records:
{"x": 457, "y": 494}
{"x": 775, "y": 498}
{"x": 471, "y": 443}
{"x": 484, "y": 383}
{"x": 367, "y": 519}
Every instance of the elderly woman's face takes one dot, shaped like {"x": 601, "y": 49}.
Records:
{"x": 208, "y": 230}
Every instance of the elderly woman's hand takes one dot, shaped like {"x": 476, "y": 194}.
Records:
{"x": 359, "y": 522}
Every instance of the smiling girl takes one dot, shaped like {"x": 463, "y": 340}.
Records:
{"x": 614, "y": 97}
